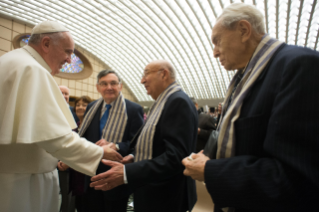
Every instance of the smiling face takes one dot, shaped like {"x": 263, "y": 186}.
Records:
{"x": 80, "y": 108}
{"x": 59, "y": 52}
{"x": 228, "y": 47}
{"x": 109, "y": 87}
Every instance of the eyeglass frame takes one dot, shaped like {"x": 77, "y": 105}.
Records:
{"x": 148, "y": 72}
{"x": 104, "y": 84}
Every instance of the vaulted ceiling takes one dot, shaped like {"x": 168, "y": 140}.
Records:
{"x": 128, "y": 34}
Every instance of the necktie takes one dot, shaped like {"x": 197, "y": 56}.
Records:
{"x": 104, "y": 118}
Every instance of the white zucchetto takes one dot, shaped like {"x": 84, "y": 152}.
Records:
{"x": 48, "y": 27}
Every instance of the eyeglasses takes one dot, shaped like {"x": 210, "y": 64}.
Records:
{"x": 105, "y": 84}
{"x": 148, "y": 72}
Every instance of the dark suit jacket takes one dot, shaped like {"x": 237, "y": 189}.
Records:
{"x": 76, "y": 119}
{"x": 207, "y": 124}
{"x": 159, "y": 183}
{"x": 276, "y": 167}
{"x": 134, "y": 122}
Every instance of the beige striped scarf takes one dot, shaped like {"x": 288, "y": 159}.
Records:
{"x": 226, "y": 139}
{"x": 263, "y": 53}
{"x": 144, "y": 145}
{"x": 114, "y": 128}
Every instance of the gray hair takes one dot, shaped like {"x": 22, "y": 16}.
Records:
{"x": 35, "y": 39}
{"x": 171, "y": 71}
{"x": 241, "y": 11}
{"x": 106, "y": 72}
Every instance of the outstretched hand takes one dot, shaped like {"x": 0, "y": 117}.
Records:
{"x": 111, "y": 154}
{"x": 127, "y": 159}
{"x": 195, "y": 166}
{"x": 110, "y": 179}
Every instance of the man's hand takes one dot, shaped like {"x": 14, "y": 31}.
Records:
{"x": 102, "y": 142}
{"x": 198, "y": 130}
{"x": 128, "y": 159}
{"x": 62, "y": 166}
{"x": 195, "y": 168}
{"x": 110, "y": 179}
{"x": 111, "y": 154}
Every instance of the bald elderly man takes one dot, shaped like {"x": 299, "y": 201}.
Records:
{"x": 36, "y": 124}
{"x": 66, "y": 94}
{"x": 155, "y": 174}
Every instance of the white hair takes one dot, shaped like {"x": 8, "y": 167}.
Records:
{"x": 35, "y": 39}
{"x": 241, "y": 11}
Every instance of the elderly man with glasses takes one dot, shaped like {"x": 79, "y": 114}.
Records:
{"x": 169, "y": 134}
{"x": 116, "y": 120}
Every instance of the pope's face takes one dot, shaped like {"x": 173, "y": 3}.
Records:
{"x": 227, "y": 47}
{"x": 60, "y": 52}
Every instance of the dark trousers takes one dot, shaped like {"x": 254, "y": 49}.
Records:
{"x": 94, "y": 200}
{"x": 67, "y": 203}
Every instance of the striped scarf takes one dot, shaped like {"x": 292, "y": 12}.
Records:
{"x": 263, "y": 53}
{"x": 113, "y": 130}
{"x": 144, "y": 145}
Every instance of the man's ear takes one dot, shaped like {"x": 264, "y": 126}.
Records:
{"x": 165, "y": 74}
{"x": 45, "y": 44}
{"x": 245, "y": 30}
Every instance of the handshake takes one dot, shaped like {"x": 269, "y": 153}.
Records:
{"x": 110, "y": 153}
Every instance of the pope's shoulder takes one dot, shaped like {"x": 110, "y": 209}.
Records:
{"x": 19, "y": 61}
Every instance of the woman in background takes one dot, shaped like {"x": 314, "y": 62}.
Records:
{"x": 80, "y": 105}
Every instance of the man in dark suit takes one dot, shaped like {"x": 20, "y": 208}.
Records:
{"x": 267, "y": 150}
{"x": 169, "y": 134}
{"x": 123, "y": 120}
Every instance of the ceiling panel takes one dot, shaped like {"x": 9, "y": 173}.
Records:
{"x": 127, "y": 35}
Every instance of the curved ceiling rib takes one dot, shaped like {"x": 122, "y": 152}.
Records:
{"x": 127, "y": 35}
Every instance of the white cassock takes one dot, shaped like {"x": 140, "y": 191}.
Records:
{"x": 35, "y": 129}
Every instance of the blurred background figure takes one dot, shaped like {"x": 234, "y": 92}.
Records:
{"x": 206, "y": 124}
{"x": 80, "y": 105}
{"x": 212, "y": 112}
{"x": 66, "y": 95}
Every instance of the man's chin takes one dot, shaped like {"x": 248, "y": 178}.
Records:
{"x": 54, "y": 72}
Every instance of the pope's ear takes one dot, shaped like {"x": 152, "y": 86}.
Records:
{"x": 45, "y": 44}
{"x": 245, "y": 30}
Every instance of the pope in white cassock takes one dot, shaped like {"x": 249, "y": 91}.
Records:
{"x": 36, "y": 124}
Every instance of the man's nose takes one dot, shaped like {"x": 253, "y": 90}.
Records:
{"x": 216, "y": 52}
{"x": 142, "y": 80}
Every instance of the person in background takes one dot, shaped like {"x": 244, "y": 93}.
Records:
{"x": 212, "y": 112}
{"x": 66, "y": 95}
{"x": 206, "y": 124}
{"x": 80, "y": 105}
{"x": 117, "y": 120}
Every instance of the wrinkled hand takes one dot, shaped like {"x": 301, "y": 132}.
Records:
{"x": 102, "y": 142}
{"x": 110, "y": 179}
{"x": 195, "y": 168}
{"x": 62, "y": 166}
{"x": 127, "y": 159}
{"x": 111, "y": 154}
